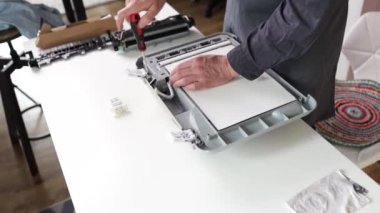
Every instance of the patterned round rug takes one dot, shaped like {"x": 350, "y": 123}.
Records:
{"x": 357, "y": 114}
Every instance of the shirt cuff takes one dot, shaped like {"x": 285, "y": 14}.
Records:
{"x": 243, "y": 64}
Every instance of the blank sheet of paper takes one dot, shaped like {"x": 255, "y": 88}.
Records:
{"x": 239, "y": 99}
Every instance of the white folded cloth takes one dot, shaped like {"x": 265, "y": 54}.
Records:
{"x": 335, "y": 193}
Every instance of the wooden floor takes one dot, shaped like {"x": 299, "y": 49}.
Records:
{"x": 19, "y": 192}
{"x": 374, "y": 171}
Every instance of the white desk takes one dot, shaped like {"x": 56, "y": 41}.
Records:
{"x": 130, "y": 164}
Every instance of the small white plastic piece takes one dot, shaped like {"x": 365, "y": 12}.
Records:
{"x": 186, "y": 136}
{"x": 136, "y": 72}
{"x": 118, "y": 107}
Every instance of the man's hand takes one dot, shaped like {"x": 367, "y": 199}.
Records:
{"x": 152, "y": 7}
{"x": 202, "y": 72}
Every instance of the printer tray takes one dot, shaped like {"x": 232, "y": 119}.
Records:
{"x": 195, "y": 110}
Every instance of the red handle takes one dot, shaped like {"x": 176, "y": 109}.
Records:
{"x": 134, "y": 19}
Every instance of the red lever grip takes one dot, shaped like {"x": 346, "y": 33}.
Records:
{"x": 134, "y": 19}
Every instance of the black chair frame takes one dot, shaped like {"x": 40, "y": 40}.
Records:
{"x": 13, "y": 114}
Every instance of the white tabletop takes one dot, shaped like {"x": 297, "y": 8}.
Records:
{"x": 131, "y": 164}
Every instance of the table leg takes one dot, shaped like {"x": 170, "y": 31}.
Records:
{"x": 211, "y": 5}
{"x": 16, "y": 125}
{"x": 8, "y": 110}
{"x": 80, "y": 10}
{"x": 69, "y": 11}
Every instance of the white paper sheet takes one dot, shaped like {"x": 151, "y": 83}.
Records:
{"x": 239, "y": 99}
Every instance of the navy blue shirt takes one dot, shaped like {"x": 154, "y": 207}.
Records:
{"x": 299, "y": 39}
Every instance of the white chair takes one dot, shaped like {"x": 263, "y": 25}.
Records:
{"x": 361, "y": 47}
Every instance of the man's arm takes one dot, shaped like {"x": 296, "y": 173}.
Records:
{"x": 288, "y": 33}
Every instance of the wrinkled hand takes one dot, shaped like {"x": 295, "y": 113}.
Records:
{"x": 202, "y": 72}
{"x": 152, "y": 7}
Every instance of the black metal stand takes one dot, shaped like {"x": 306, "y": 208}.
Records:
{"x": 35, "y": 105}
{"x": 74, "y": 13}
{"x": 211, "y": 5}
{"x": 16, "y": 126}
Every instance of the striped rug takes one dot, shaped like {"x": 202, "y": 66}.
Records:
{"x": 357, "y": 114}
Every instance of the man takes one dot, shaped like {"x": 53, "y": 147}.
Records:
{"x": 299, "y": 39}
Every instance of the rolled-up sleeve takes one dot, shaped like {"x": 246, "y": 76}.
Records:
{"x": 288, "y": 33}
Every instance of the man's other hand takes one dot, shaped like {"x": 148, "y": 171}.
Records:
{"x": 202, "y": 72}
{"x": 152, "y": 7}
